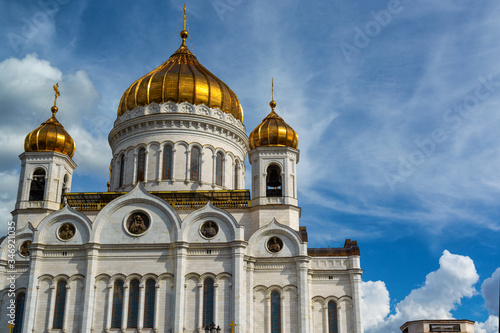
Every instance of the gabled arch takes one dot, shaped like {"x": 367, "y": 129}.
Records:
{"x": 67, "y": 214}
{"x": 228, "y": 225}
{"x": 138, "y": 196}
{"x": 289, "y": 236}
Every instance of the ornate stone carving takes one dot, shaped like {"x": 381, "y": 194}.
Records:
{"x": 24, "y": 249}
{"x": 209, "y": 229}
{"x": 66, "y": 231}
{"x": 274, "y": 244}
{"x": 138, "y": 223}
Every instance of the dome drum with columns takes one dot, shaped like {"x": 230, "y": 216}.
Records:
{"x": 176, "y": 243}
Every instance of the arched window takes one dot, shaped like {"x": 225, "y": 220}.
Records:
{"x": 332, "y": 317}
{"x": 18, "y": 323}
{"x": 236, "y": 170}
{"x": 195, "y": 164}
{"x": 141, "y": 164}
{"x": 275, "y": 312}
{"x": 219, "y": 162}
{"x": 116, "y": 314}
{"x": 167, "y": 162}
{"x": 60, "y": 304}
{"x": 273, "y": 181}
{"x": 133, "y": 304}
{"x": 37, "y": 189}
{"x": 208, "y": 302}
{"x": 122, "y": 171}
{"x": 149, "y": 304}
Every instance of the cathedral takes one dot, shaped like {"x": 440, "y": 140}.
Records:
{"x": 176, "y": 244}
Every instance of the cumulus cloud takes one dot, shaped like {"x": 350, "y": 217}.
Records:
{"x": 490, "y": 292}
{"x": 27, "y": 96}
{"x": 489, "y": 326}
{"x": 442, "y": 291}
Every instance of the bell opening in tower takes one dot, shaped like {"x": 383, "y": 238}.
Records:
{"x": 37, "y": 189}
{"x": 273, "y": 181}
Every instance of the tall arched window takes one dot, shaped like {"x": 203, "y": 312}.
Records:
{"x": 236, "y": 170}
{"x": 195, "y": 164}
{"x": 149, "y": 304}
{"x": 18, "y": 323}
{"x": 208, "y": 302}
{"x": 219, "y": 166}
{"x": 37, "y": 189}
{"x": 141, "y": 164}
{"x": 133, "y": 304}
{"x": 60, "y": 304}
{"x": 122, "y": 171}
{"x": 275, "y": 312}
{"x": 116, "y": 314}
{"x": 167, "y": 162}
{"x": 273, "y": 181}
{"x": 332, "y": 317}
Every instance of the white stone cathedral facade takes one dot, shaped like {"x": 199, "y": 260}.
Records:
{"x": 176, "y": 243}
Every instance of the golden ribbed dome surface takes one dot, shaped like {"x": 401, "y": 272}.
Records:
{"x": 50, "y": 136}
{"x": 181, "y": 79}
{"x": 273, "y": 131}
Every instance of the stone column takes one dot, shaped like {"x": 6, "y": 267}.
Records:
{"x": 239, "y": 298}
{"x": 180, "y": 292}
{"x": 110, "y": 307}
{"x": 134, "y": 168}
{"x": 302, "y": 270}
{"x": 216, "y": 301}
{"x": 188, "y": 165}
{"x": 268, "y": 313}
{"x": 159, "y": 175}
{"x": 52, "y": 305}
{"x": 157, "y": 307}
{"x": 200, "y": 307}
{"x": 282, "y": 314}
{"x": 89, "y": 294}
{"x": 146, "y": 163}
{"x": 140, "y": 319}
{"x": 66, "y": 308}
{"x": 126, "y": 294}
{"x": 325, "y": 318}
{"x": 356, "y": 299}
{"x": 32, "y": 290}
{"x": 250, "y": 319}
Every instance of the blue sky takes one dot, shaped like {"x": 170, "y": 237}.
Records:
{"x": 395, "y": 104}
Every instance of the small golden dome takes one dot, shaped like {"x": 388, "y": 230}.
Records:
{"x": 181, "y": 79}
{"x": 273, "y": 131}
{"x": 50, "y": 136}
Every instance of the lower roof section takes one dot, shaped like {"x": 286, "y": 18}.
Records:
{"x": 224, "y": 199}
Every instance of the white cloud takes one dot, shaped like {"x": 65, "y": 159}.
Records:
{"x": 490, "y": 292}
{"x": 442, "y": 291}
{"x": 375, "y": 303}
{"x": 489, "y": 326}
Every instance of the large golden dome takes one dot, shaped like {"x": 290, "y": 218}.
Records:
{"x": 50, "y": 136}
{"x": 181, "y": 79}
{"x": 273, "y": 131}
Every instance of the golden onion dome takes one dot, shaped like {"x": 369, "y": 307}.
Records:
{"x": 181, "y": 79}
{"x": 50, "y": 136}
{"x": 273, "y": 131}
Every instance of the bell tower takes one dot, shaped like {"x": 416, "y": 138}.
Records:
{"x": 46, "y": 170}
{"x": 274, "y": 157}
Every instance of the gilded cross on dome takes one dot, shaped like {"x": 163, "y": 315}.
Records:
{"x": 56, "y": 93}
{"x": 185, "y": 17}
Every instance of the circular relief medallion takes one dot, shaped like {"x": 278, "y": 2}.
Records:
{"x": 138, "y": 223}
{"x": 66, "y": 231}
{"x": 209, "y": 229}
{"x": 274, "y": 244}
{"x": 24, "y": 249}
